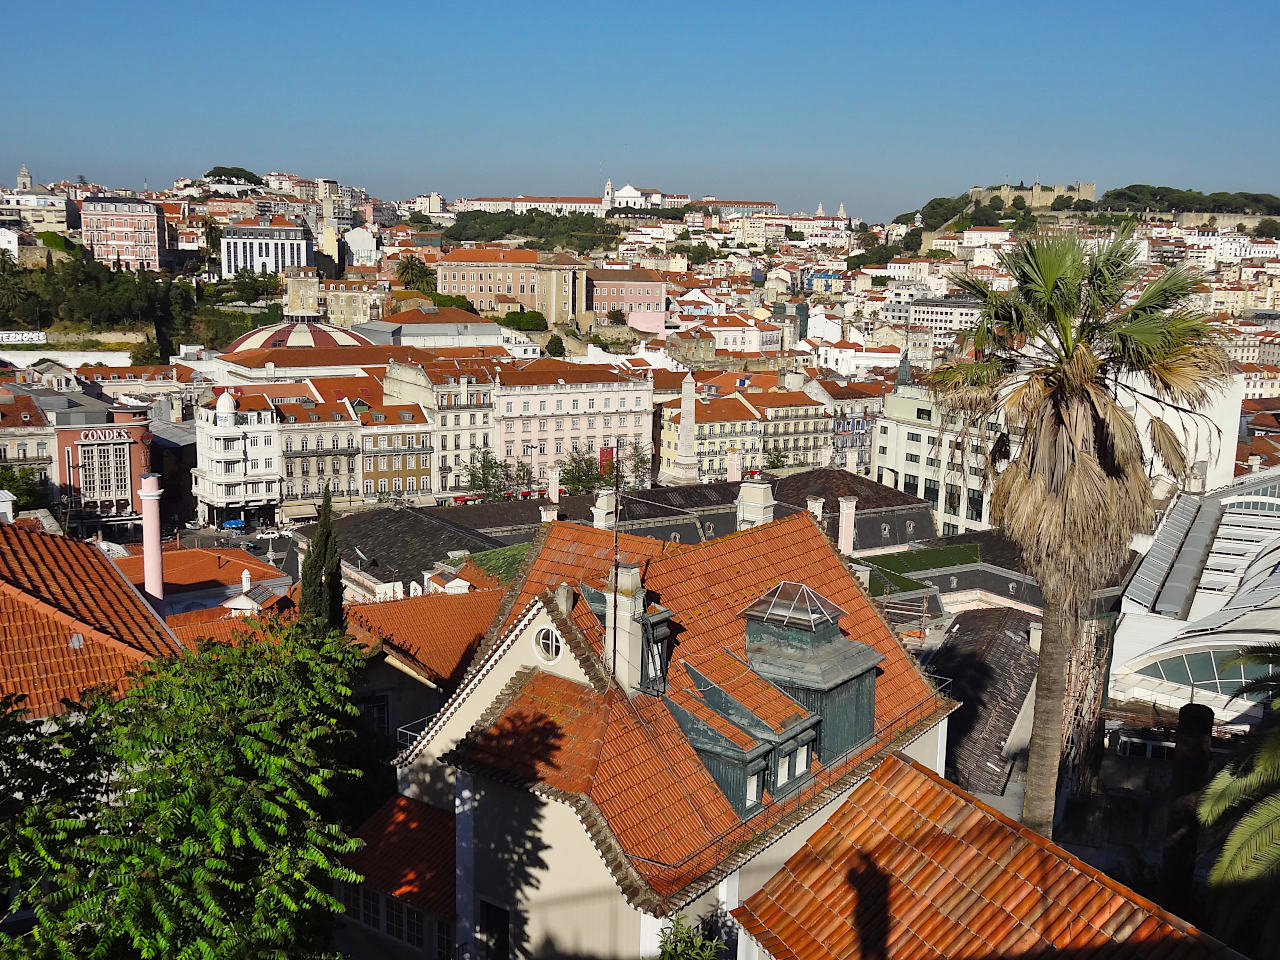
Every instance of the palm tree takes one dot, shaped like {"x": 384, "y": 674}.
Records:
{"x": 1064, "y": 359}
{"x": 1244, "y": 800}
{"x": 414, "y": 274}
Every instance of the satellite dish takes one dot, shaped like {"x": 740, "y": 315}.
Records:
{"x": 361, "y": 555}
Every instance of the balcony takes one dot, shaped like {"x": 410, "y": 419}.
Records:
{"x": 406, "y": 735}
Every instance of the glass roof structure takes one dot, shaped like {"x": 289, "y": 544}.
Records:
{"x": 794, "y": 605}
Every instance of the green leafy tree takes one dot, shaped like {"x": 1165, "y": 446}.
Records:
{"x": 145, "y": 353}
{"x": 202, "y": 826}
{"x": 1243, "y": 801}
{"x": 485, "y": 474}
{"x": 420, "y": 221}
{"x": 1268, "y": 228}
{"x": 555, "y": 346}
{"x": 1061, "y": 358}
{"x": 1018, "y": 203}
{"x": 996, "y": 203}
{"x": 913, "y": 240}
{"x": 775, "y": 458}
{"x": 616, "y": 316}
{"x": 233, "y": 173}
{"x": 528, "y": 320}
{"x": 580, "y": 472}
{"x": 1082, "y": 205}
{"x": 636, "y": 463}
{"x": 983, "y": 216}
{"x": 1062, "y": 202}
{"x": 321, "y": 600}
{"x": 247, "y": 285}
{"x": 24, "y": 483}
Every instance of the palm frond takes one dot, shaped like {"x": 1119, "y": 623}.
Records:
{"x": 1252, "y": 850}
{"x": 1168, "y": 449}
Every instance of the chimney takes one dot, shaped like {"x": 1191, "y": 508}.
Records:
{"x": 246, "y": 582}
{"x": 755, "y": 504}
{"x": 1255, "y": 463}
{"x": 846, "y": 535}
{"x": 735, "y": 466}
{"x": 564, "y": 598}
{"x": 152, "y": 558}
{"x": 602, "y": 514}
{"x": 623, "y": 633}
{"x": 548, "y": 514}
{"x": 553, "y": 484}
{"x": 814, "y": 506}
{"x": 1033, "y": 637}
{"x": 863, "y": 573}
{"x": 793, "y": 380}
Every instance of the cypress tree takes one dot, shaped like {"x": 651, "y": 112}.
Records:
{"x": 322, "y": 557}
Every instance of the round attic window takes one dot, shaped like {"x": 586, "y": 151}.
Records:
{"x": 548, "y": 645}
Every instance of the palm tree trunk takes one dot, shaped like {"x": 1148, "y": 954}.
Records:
{"x": 1047, "y": 721}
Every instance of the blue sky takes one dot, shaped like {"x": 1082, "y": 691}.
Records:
{"x": 881, "y": 106}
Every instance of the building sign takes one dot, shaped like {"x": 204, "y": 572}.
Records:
{"x": 23, "y": 336}
{"x": 105, "y": 435}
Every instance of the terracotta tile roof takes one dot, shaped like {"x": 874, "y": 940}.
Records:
{"x": 490, "y": 256}
{"x": 409, "y": 854}
{"x": 438, "y": 632}
{"x": 549, "y": 371}
{"x": 478, "y": 577}
{"x": 201, "y": 569}
{"x": 12, "y": 413}
{"x": 656, "y": 801}
{"x": 911, "y": 866}
{"x": 53, "y": 589}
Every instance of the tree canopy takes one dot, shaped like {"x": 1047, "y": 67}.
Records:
{"x": 555, "y": 346}
{"x": 1142, "y": 196}
{"x": 321, "y": 600}
{"x": 192, "y": 816}
{"x": 233, "y": 173}
{"x": 878, "y": 255}
{"x": 23, "y": 483}
{"x": 580, "y": 472}
{"x": 1268, "y": 228}
{"x": 544, "y": 231}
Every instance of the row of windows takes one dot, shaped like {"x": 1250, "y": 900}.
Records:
{"x": 397, "y": 919}
{"x": 637, "y": 401}
{"x": 407, "y": 462}
{"x": 588, "y": 444}
{"x": 407, "y": 485}
{"x": 526, "y": 426}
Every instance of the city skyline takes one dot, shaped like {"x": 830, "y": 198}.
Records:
{"x": 510, "y": 101}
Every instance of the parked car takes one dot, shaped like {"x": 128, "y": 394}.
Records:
{"x": 269, "y": 535}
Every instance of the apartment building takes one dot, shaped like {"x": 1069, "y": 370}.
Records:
{"x": 721, "y": 428}
{"x": 501, "y": 280}
{"x": 238, "y": 461}
{"x": 796, "y": 425}
{"x": 26, "y": 436}
{"x": 396, "y": 448}
{"x": 631, "y": 291}
{"x": 320, "y": 447}
{"x": 343, "y": 303}
{"x": 854, "y": 409}
{"x": 125, "y": 231}
{"x": 458, "y": 400}
{"x": 548, "y": 408}
{"x": 266, "y": 244}
{"x": 921, "y": 455}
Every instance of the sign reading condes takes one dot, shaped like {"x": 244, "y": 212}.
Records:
{"x": 23, "y": 336}
{"x": 104, "y": 435}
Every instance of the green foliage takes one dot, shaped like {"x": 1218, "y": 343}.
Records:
{"x": 913, "y": 240}
{"x": 698, "y": 254}
{"x": 660, "y": 213}
{"x": 685, "y": 941}
{"x": 55, "y": 241}
{"x": 683, "y": 234}
{"x": 616, "y": 316}
{"x": 941, "y": 209}
{"x": 790, "y": 234}
{"x": 452, "y": 300}
{"x": 24, "y": 483}
{"x": 1019, "y": 203}
{"x": 251, "y": 287}
{"x": 635, "y": 463}
{"x": 1142, "y": 196}
{"x": 1082, "y": 205}
{"x": 146, "y": 353}
{"x": 878, "y": 255}
{"x": 321, "y": 601}
{"x": 775, "y": 458}
{"x": 420, "y": 221}
{"x": 577, "y": 231}
{"x": 555, "y": 345}
{"x": 413, "y": 272}
{"x": 194, "y": 817}
{"x": 81, "y": 292}
{"x": 233, "y": 173}
{"x": 580, "y": 472}
{"x": 983, "y": 216}
{"x": 501, "y": 562}
{"x": 881, "y": 281}
{"x": 996, "y": 203}
{"x": 532, "y": 320}
{"x": 1062, "y": 202}
{"x": 1268, "y": 228}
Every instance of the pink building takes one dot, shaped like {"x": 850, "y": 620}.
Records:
{"x": 125, "y": 231}
{"x": 638, "y": 293}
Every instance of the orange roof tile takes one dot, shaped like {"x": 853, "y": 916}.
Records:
{"x": 54, "y": 590}
{"x": 409, "y": 853}
{"x": 911, "y": 867}
{"x": 200, "y": 568}
{"x": 438, "y": 632}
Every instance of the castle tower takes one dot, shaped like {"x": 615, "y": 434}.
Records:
{"x": 24, "y": 179}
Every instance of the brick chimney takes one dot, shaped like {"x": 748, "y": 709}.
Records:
{"x": 152, "y": 557}
{"x": 846, "y": 536}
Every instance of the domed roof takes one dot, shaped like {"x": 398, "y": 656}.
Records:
{"x": 226, "y": 403}
{"x": 297, "y": 335}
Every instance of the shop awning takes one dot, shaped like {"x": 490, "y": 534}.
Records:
{"x": 302, "y": 511}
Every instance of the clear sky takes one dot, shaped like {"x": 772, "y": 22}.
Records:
{"x": 881, "y": 106}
